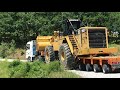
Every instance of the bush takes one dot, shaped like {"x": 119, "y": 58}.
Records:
{"x": 36, "y": 69}
{"x": 54, "y": 66}
{"x": 18, "y": 70}
{"x": 37, "y": 73}
{"x": 7, "y": 49}
{"x": 14, "y": 64}
{"x": 4, "y": 50}
{"x": 12, "y": 47}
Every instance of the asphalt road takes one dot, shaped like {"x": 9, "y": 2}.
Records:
{"x": 85, "y": 74}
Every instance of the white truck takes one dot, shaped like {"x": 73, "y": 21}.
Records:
{"x": 31, "y": 50}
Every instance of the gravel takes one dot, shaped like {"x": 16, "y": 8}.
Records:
{"x": 85, "y": 74}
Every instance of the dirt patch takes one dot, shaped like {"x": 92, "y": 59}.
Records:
{"x": 19, "y": 54}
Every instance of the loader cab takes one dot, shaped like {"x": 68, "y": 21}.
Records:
{"x": 71, "y": 26}
{"x": 30, "y": 50}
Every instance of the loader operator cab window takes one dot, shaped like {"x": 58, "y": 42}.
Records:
{"x": 73, "y": 27}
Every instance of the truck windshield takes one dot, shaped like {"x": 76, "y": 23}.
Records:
{"x": 27, "y": 46}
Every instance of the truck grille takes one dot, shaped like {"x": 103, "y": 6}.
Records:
{"x": 97, "y": 38}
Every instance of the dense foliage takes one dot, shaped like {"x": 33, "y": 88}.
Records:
{"x": 37, "y": 69}
{"x": 24, "y": 26}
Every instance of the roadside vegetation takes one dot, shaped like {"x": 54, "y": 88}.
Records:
{"x": 9, "y": 51}
{"x": 37, "y": 69}
{"x": 115, "y": 46}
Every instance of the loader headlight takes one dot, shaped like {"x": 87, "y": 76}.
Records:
{"x": 83, "y": 30}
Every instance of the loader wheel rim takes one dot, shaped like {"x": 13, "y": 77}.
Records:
{"x": 47, "y": 57}
{"x": 62, "y": 56}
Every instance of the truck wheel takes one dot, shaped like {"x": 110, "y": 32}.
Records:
{"x": 65, "y": 56}
{"x": 106, "y": 68}
{"x": 82, "y": 67}
{"x": 89, "y": 67}
{"x": 29, "y": 59}
{"x": 49, "y": 54}
{"x": 96, "y": 68}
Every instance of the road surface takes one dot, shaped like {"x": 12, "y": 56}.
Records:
{"x": 11, "y": 60}
{"x": 85, "y": 74}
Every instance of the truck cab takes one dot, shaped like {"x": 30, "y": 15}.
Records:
{"x": 30, "y": 50}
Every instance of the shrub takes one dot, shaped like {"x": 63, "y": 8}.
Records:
{"x": 14, "y": 64}
{"x": 18, "y": 69}
{"x": 54, "y": 66}
{"x": 36, "y": 69}
{"x": 4, "y": 47}
{"x": 7, "y": 49}
{"x": 12, "y": 47}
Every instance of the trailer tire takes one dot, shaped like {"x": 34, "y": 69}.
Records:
{"x": 49, "y": 54}
{"x": 96, "y": 68}
{"x": 89, "y": 67}
{"x": 81, "y": 67}
{"x": 106, "y": 68}
{"x": 65, "y": 57}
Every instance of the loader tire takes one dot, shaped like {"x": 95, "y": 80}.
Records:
{"x": 49, "y": 54}
{"x": 66, "y": 57}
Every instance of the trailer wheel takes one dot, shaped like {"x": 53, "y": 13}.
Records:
{"x": 49, "y": 54}
{"x": 65, "y": 56}
{"x": 96, "y": 68}
{"x": 89, "y": 67}
{"x": 106, "y": 68}
{"x": 81, "y": 67}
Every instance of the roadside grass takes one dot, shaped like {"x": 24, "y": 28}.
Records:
{"x": 63, "y": 74}
{"x": 115, "y": 46}
{"x": 37, "y": 69}
{"x": 4, "y": 71}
